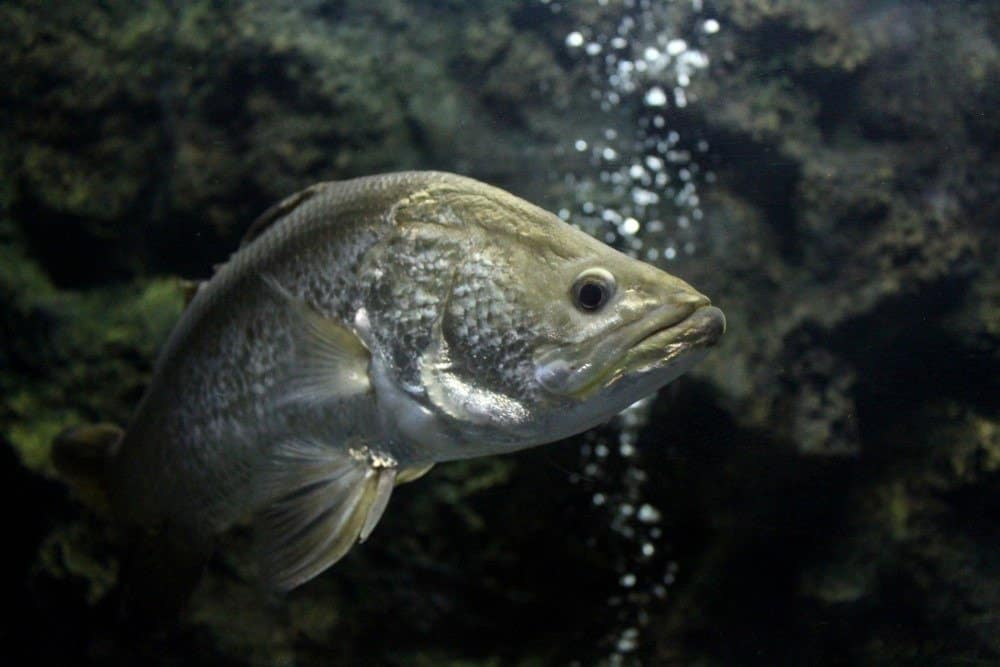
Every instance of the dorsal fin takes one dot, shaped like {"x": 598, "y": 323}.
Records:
{"x": 376, "y": 194}
{"x": 277, "y": 212}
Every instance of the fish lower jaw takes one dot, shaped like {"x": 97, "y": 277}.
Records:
{"x": 658, "y": 348}
{"x": 701, "y": 329}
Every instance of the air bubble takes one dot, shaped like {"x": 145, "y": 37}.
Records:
{"x": 649, "y": 514}
{"x": 643, "y": 197}
{"x": 628, "y": 184}
{"x": 574, "y": 40}
{"x": 655, "y": 97}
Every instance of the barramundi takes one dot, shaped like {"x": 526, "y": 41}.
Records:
{"x": 369, "y": 329}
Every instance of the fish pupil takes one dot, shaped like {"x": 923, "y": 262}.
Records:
{"x": 591, "y": 295}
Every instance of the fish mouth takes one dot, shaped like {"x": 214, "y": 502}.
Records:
{"x": 661, "y": 346}
{"x": 687, "y": 322}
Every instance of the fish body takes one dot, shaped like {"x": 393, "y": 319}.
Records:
{"x": 369, "y": 329}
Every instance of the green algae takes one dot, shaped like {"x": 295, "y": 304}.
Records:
{"x": 79, "y": 553}
{"x": 84, "y": 354}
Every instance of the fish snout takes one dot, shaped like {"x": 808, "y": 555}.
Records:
{"x": 689, "y": 298}
{"x": 704, "y": 323}
{"x": 709, "y": 323}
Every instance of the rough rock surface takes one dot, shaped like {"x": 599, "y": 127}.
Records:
{"x": 829, "y": 478}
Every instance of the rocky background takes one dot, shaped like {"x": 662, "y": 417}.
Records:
{"x": 827, "y": 483}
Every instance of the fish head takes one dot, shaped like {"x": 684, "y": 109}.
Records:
{"x": 539, "y": 331}
{"x": 616, "y": 320}
{"x": 613, "y": 330}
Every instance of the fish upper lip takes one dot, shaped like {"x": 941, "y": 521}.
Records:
{"x": 668, "y": 337}
{"x": 705, "y": 325}
{"x": 684, "y": 306}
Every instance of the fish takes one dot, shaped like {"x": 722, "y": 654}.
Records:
{"x": 367, "y": 330}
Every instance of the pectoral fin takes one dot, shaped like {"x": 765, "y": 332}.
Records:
{"x": 324, "y": 499}
{"x": 330, "y": 361}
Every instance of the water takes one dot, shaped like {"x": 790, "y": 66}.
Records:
{"x": 821, "y": 489}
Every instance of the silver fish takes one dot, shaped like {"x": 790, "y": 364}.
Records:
{"x": 369, "y": 329}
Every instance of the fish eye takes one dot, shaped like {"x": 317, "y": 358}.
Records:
{"x": 592, "y": 289}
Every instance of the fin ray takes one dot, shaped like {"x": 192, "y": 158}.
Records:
{"x": 322, "y": 499}
{"x": 380, "y": 500}
{"x": 330, "y": 360}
